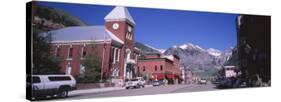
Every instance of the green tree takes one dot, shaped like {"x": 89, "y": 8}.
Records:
{"x": 92, "y": 64}
{"x": 43, "y": 61}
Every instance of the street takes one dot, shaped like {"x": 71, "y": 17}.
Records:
{"x": 145, "y": 91}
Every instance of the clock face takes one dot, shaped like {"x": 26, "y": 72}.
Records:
{"x": 129, "y": 28}
{"x": 115, "y": 26}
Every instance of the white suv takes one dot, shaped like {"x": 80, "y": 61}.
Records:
{"x": 135, "y": 83}
{"x": 50, "y": 85}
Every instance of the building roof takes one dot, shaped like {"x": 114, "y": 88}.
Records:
{"x": 120, "y": 13}
{"x": 84, "y": 33}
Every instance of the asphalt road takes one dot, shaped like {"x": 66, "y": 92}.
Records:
{"x": 147, "y": 91}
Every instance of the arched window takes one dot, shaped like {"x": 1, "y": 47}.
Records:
{"x": 83, "y": 52}
{"x": 70, "y": 52}
{"x": 57, "y": 53}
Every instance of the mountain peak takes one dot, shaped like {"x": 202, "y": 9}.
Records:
{"x": 191, "y": 46}
{"x": 214, "y": 52}
{"x": 175, "y": 46}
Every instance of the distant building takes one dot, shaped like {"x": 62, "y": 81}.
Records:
{"x": 230, "y": 71}
{"x": 112, "y": 42}
{"x": 187, "y": 76}
{"x": 155, "y": 66}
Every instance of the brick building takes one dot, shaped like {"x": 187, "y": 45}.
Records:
{"x": 112, "y": 42}
{"x": 155, "y": 66}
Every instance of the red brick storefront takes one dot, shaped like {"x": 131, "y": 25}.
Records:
{"x": 159, "y": 67}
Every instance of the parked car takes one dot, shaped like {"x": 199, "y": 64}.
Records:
{"x": 50, "y": 85}
{"x": 231, "y": 83}
{"x": 158, "y": 83}
{"x": 135, "y": 83}
{"x": 202, "y": 81}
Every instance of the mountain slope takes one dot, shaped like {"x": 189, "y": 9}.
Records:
{"x": 57, "y": 16}
{"x": 200, "y": 60}
{"x": 145, "y": 48}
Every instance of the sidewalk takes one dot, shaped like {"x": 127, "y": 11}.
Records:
{"x": 97, "y": 90}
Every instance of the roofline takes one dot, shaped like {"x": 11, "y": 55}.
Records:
{"x": 146, "y": 59}
{"x": 83, "y": 41}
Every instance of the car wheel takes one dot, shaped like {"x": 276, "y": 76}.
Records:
{"x": 127, "y": 87}
{"x": 63, "y": 93}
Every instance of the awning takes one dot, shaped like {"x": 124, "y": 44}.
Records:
{"x": 158, "y": 76}
{"x": 170, "y": 76}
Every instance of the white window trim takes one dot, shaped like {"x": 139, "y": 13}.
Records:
{"x": 114, "y": 52}
{"x": 56, "y": 50}
{"x": 82, "y": 50}
{"x": 118, "y": 54}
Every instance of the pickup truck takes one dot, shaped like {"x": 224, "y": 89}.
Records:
{"x": 50, "y": 85}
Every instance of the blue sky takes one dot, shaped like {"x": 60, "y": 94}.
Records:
{"x": 164, "y": 28}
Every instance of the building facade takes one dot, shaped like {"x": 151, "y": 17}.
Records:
{"x": 113, "y": 43}
{"x": 253, "y": 38}
{"x": 159, "y": 67}
{"x": 187, "y": 76}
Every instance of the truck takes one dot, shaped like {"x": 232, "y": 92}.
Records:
{"x": 50, "y": 85}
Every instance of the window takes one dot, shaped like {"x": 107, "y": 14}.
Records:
{"x": 82, "y": 69}
{"x": 70, "y": 51}
{"x": 143, "y": 68}
{"x": 57, "y": 53}
{"x": 68, "y": 68}
{"x": 83, "y": 52}
{"x": 59, "y": 78}
{"x": 155, "y": 68}
{"x": 112, "y": 54}
{"x": 118, "y": 54}
{"x": 115, "y": 54}
{"x": 129, "y": 36}
{"x": 161, "y": 67}
{"x": 36, "y": 80}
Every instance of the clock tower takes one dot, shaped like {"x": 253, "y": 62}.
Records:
{"x": 120, "y": 22}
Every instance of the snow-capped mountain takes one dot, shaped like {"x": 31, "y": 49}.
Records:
{"x": 191, "y": 46}
{"x": 145, "y": 48}
{"x": 162, "y": 50}
{"x": 214, "y": 52}
{"x": 198, "y": 59}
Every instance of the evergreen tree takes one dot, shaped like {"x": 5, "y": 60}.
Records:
{"x": 43, "y": 61}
